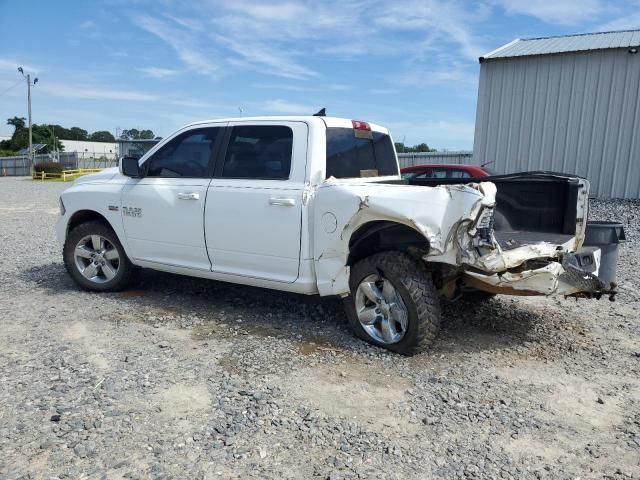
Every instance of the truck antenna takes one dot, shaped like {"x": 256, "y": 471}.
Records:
{"x": 321, "y": 113}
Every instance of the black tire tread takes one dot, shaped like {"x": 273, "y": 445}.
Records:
{"x": 418, "y": 283}
{"x": 125, "y": 278}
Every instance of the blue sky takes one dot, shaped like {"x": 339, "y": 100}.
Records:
{"x": 409, "y": 65}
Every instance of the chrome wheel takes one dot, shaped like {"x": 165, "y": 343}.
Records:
{"x": 97, "y": 259}
{"x": 381, "y": 310}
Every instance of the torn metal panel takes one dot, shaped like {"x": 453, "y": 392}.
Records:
{"x": 457, "y": 223}
{"x": 436, "y": 213}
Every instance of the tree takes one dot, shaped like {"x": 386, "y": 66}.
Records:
{"x": 17, "y": 122}
{"x": 78, "y": 133}
{"x": 135, "y": 134}
{"x": 421, "y": 147}
{"x": 102, "y": 136}
{"x": 146, "y": 135}
{"x": 20, "y": 137}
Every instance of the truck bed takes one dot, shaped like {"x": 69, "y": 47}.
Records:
{"x": 531, "y": 207}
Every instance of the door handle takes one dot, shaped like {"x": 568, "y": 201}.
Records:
{"x": 283, "y": 202}
{"x": 188, "y": 196}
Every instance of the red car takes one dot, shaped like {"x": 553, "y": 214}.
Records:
{"x": 446, "y": 171}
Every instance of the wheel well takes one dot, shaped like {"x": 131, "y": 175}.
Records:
{"x": 84, "y": 216}
{"x": 374, "y": 237}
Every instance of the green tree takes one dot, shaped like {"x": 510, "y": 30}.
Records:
{"x": 20, "y": 137}
{"x": 135, "y": 134}
{"x": 102, "y": 136}
{"x": 78, "y": 133}
{"x": 422, "y": 147}
{"x": 400, "y": 148}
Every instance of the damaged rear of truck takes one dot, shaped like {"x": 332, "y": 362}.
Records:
{"x": 392, "y": 248}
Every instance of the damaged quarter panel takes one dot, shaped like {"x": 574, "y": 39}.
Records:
{"x": 440, "y": 214}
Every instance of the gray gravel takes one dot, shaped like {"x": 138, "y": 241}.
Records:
{"x": 187, "y": 378}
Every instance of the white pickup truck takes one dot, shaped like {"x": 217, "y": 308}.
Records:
{"x": 316, "y": 205}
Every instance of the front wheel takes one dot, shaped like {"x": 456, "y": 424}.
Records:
{"x": 95, "y": 259}
{"x": 393, "y": 303}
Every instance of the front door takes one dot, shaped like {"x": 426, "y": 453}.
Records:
{"x": 254, "y": 203}
{"x": 163, "y": 213}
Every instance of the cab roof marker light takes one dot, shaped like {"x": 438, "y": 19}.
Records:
{"x": 360, "y": 125}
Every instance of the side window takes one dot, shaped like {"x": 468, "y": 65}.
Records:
{"x": 187, "y": 155}
{"x": 459, "y": 174}
{"x": 439, "y": 173}
{"x": 259, "y": 151}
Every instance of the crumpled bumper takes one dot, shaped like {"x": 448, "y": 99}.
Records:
{"x": 574, "y": 274}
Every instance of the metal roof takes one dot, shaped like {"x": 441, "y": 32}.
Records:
{"x": 566, "y": 43}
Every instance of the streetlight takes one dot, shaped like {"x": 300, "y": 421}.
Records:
{"x": 29, "y": 85}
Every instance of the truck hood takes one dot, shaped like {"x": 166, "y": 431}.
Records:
{"x": 99, "y": 177}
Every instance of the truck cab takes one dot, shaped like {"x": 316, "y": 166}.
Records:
{"x": 312, "y": 205}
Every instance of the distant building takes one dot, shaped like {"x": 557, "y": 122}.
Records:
{"x": 83, "y": 148}
{"x": 135, "y": 148}
{"x": 567, "y": 104}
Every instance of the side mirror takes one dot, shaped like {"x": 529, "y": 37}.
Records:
{"x": 129, "y": 167}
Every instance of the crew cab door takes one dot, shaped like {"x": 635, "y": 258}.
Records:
{"x": 254, "y": 203}
{"x": 163, "y": 212}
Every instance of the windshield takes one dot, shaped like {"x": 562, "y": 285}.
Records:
{"x": 353, "y": 153}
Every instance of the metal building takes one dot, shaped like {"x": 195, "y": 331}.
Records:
{"x": 567, "y": 104}
{"x": 440, "y": 158}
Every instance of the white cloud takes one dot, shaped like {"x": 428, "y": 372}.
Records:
{"x": 444, "y": 22}
{"x": 426, "y": 78}
{"x": 627, "y": 22}
{"x": 383, "y": 91}
{"x": 283, "y": 106}
{"x": 11, "y": 65}
{"x": 67, "y": 90}
{"x": 561, "y": 12}
{"x": 266, "y": 59}
{"x": 333, "y": 87}
{"x": 158, "y": 72}
{"x": 182, "y": 41}
{"x": 438, "y": 134}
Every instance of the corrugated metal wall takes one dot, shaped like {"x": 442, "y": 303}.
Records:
{"x": 410, "y": 159}
{"x": 576, "y": 113}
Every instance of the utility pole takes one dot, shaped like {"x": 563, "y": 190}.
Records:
{"x": 35, "y": 80}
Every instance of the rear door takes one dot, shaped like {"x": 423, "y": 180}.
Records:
{"x": 163, "y": 213}
{"x": 254, "y": 202}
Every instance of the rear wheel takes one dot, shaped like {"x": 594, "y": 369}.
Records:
{"x": 95, "y": 258}
{"x": 393, "y": 303}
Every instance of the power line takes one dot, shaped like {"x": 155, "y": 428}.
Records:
{"x": 12, "y": 86}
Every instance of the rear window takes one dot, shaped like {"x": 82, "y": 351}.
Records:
{"x": 349, "y": 156}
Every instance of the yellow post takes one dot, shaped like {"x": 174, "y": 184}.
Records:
{"x": 42, "y": 175}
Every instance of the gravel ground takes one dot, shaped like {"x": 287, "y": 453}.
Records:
{"x": 187, "y": 378}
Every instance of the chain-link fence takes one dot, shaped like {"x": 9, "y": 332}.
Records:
{"x": 21, "y": 166}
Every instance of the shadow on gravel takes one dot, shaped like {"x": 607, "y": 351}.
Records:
{"x": 492, "y": 325}
{"x": 467, "y": 327}
{"x": 52, "y": 277}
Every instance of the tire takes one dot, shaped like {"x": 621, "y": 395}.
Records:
{"x": 82, "y": 250}
{"x": 414, "y": 286}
